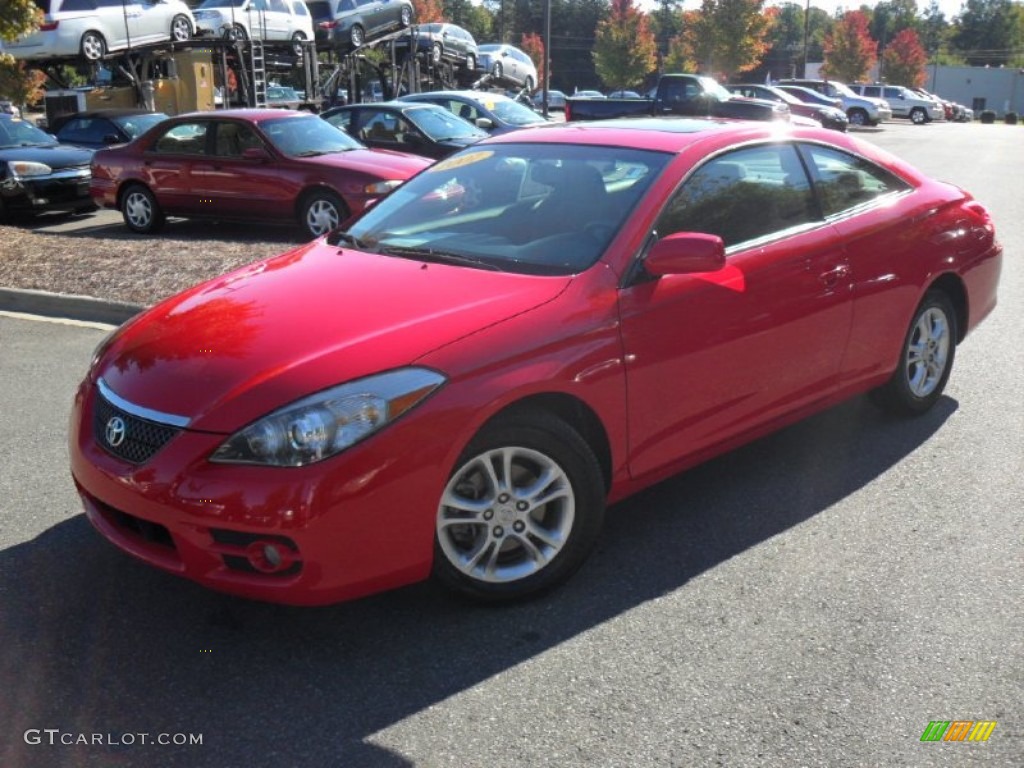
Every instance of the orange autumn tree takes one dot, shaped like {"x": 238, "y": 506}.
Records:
{"x": 849, "y": 49}
{"x": 904, "y": 60}
{"x": 533, "y": 46}
{"x": 427, "y": 11}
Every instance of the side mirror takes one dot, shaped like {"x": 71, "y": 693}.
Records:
{"x": 111, "y": 138}
{"x": 684, "y": 253}
{"x": 484, "y": 122}
{"x": 255, "y": 153}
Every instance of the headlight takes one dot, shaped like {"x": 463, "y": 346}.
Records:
{"x": 381, "y": 187}
{"x": 25, "y": 168}
{"x": 324, "y": 424}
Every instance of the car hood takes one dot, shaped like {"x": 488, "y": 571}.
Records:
{"x": 231, "y": 350}
{"x": 378, "y": 163}
{"x": 56, "y": 155}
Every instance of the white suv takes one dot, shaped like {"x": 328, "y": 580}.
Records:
{"x": 273, "y": 20}
{"x": 91, "y": 28}
{"x": 904, "y": 102}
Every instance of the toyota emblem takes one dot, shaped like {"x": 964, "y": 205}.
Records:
{"x": 116, "y": 431}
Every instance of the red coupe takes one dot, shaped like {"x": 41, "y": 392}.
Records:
{"x": 268, "y": 165}
{"x": 546, "y": 322}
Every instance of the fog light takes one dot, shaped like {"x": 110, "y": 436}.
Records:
{"x": 269, "y": 556}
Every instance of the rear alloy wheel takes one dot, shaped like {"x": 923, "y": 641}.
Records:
{"x": 521, "y": 511}
{"x": 497, "y": 71}
{"x": 926, "y": 359}
{"x": 406, "y": 18}
{"x": 181, "y": 29}
{"x": 141, "y": 211}
{"x": 356, "y": 36}
{"x": 297, "y": 40}
{"x": 93, "y": 46}
{"x": 858, "y": 117}
{"x": 322, "y": 211}
{"x": 528, "y": 85}
{"x": 436, "y": 52}
{"x": 918, "y": 116}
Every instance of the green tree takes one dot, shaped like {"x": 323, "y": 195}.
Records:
{"x": 741, "y": 35}
{"x": 18, "y": 17}
{"x": 849, "y": 50}
{"x": 988, "y": 31}
{"x": 904, "y": 60}
{"x": 624, "y": 49}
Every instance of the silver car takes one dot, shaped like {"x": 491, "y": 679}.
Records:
{"x": 91, "y": 28}
{"x": 508, "y": 64}
{"x": 272, "y": 20}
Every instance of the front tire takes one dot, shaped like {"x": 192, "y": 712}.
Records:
{"x": 471, "y": 63}
{"x": 141, "y": 211}
{"x": 858, "y": 117}
{"x": 181, "y": 29}
{"x": 926, "y": 359}
{"x": 236, "y": 34}
{"x": 321, "y": 212}
{"x": 521, "y": 511}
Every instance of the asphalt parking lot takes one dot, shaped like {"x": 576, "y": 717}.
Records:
{"x": 814, "y": 599}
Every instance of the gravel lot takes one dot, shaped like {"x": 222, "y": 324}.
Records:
{"x": 111, "y": 263}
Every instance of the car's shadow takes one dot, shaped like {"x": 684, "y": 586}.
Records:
{"x": 93, "y": 642}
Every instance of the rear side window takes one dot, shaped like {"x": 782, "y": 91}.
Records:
{"x": 87, "y": 130}
{"x": 76, "y": 6}
{"x": 845, "y": 182}
{"x": 743, "y": 196}
{"x": 183, "y": 139}
{"x": 300, "y": 8}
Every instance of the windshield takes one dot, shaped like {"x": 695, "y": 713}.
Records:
{"x": 713, "y": 87}
{"x": 136, "y": 125}
{"x": 20, "y": 133}
{"x": 439, "y": 124}
{"x": 512, "y": 112}
{"x": 532, "y": 208}
{"x": 307, "y": 136}
{"x": 843, "y": 89}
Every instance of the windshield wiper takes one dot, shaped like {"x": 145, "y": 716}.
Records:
{"x": 439, "y": 257}
{"x": 338, "y": 238}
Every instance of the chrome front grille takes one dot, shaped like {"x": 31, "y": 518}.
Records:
{"x": 127, "y": 436}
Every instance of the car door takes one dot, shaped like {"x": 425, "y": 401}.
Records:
{"x": 152, "y": 22}
{"x": 168, "y": 164}
{"x": 883, "y": 228}
{"x": 712, "y": 356}
{"x": 120, "y": 23}
{"x": 227, "y": 183}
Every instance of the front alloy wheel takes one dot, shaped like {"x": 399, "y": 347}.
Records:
{"x": 858, "y": 117}
{"x": 181, "y": 29}
{"x": 322, "y": 212}
{"x": 926, "y": 360}
{"x": 141, "y": 211}
{"x": 93, "y": 46}
{"x": 918, "y": 116}
{"x": 520, "y": 512}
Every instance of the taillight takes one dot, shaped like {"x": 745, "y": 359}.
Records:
{"x": 48, "y": 26}
{"x": 568, "y": 111}
{"x": 980, "y": 213}
{"x": 327, "y": 24}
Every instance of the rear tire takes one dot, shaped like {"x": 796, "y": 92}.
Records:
{"x": 918, "y": 116}
{"x": 926, "y": 359}
{"x": 356, "y": 36}
{"x": 93, "y": 46}
{"x": 858, "y": 116}
{"x": 521, "y": 511}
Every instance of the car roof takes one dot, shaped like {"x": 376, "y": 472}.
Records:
{"x": 244, "y": 113}
{"x": 472, "y": 95}
{"x": 666, "y": 134}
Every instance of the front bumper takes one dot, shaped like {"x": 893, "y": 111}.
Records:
{"x": 359, "y": 523}
{"x": 63, "y": 190}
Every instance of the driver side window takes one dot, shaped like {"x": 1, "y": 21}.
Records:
{"x": 743, "y": 196}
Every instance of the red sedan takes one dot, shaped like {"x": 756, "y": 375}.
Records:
{"x": 268, "y": 165}
{"x": 459, "y": 382}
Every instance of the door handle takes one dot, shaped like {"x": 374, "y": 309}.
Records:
{"x": 831, "y": 277}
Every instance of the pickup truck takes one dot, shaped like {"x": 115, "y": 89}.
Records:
{"x": 678, "y": 94}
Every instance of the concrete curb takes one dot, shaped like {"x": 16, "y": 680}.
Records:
{"x": 83, "y": 308}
